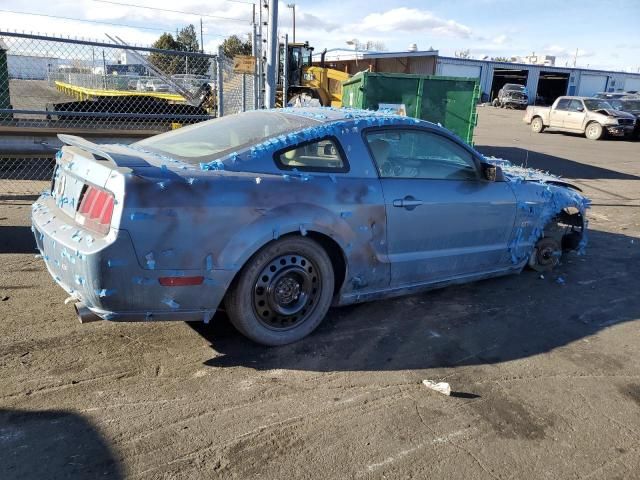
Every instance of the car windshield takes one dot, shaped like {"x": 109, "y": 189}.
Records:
{"x": 519, "y": 88}
{"x": 595, "y": 104}
{"x": 216, "y": 138}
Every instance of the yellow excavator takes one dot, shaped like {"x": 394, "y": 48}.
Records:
{"x": 308, "y": 84}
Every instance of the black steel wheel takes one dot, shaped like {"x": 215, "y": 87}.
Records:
{"x": 286, "y": 291}
{"x": 283, "y": 292}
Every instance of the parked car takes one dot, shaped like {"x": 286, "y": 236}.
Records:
{"x": 590, "y": 116}
{"x": 617, "y": 95}
{"x": 631, "y": 106}
{"x": 157, "y": 85}
{"x": 512, "y": 95}
{"x": 276, "y": 215}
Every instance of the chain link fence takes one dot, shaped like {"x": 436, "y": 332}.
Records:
{"x": 238, "y": 88}
{"x": 24, "y": 177}
{"x": 64, "y": 85}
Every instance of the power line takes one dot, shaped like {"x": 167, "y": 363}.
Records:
{"x": 122, "y": 4}
{"x": 98, "y": 22}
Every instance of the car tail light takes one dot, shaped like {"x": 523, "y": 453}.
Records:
{"x": 180, "y": 281}
{"x": 96, "y": 209}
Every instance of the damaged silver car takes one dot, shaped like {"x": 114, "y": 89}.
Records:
{"x": 277, "y": 215}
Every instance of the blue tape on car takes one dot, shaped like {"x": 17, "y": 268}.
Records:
{"x": 141, "y": 216}
{"x": 150, "y": 261}
{"x": 170, "y": 252}
{"x": 209, "y": 262}
{"x": 104, "y": 292}
{"x": 303, "y": 231}
{"x": 171, "y": 302}
{"x": 78, "y": 279}
{"x": 114, "y": 262}
{"x": 346, "y": 214}
{"x": 144, "y": 281}
{"x": 209, "y": 281}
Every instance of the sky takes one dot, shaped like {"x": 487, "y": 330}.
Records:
{"x": 605, "y": 34}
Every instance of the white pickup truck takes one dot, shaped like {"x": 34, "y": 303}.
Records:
{"x": 592, "y": 117}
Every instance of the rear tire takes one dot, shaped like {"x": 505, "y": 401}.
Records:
{"x": 594, "y": 131}
{"x": 536, "y": 125}
{"x": 283, "y": 292}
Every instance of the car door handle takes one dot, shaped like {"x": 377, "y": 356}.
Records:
{"x": 407, "y": 202}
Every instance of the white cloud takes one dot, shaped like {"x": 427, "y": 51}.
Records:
{"x": 563, "y": 52}
{"x": 405, "y": 20}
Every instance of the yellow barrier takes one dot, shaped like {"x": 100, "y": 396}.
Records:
{"x": 83, "y": 93}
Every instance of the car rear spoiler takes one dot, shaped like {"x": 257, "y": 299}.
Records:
{"x": 86, "y": 145}
{"x": 105, "y": 152}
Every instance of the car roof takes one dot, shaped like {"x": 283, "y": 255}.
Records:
{"x": 332, "y": 114}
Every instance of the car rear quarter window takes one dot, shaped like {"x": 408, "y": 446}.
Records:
{"x": 420, "y": 154}
{"x": 324, "y": 155}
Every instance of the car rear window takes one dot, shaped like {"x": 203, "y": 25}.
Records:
{"x": 216, "y": 138}
{"x": 324, "y": 155}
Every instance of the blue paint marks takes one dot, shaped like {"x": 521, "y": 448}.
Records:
{"x": 79, "y": 279}
{"x": 346, "y": 214}
{"x": 209, "y": 262}
{"x": 144, "y": 281}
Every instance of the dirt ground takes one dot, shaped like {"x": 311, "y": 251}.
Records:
{"x": 545, "y": 371}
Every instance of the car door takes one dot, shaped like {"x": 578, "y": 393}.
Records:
{"x": 443, "y": 219}
{"x": 558, "y": 114}
{"x": 575, "y": 115}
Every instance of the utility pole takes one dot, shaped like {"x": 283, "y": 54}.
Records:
{"x": 292, "y": 6}
{"x": 254, "y": 52}
{"x": 272, "y": 55}
{"x": 201, "y": 38}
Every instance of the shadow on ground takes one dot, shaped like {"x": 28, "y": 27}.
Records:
{"x": 53, "y": 444}
{"x": 556, "y": 165}
{"x": 481, "y": 323}
{"x": 17, "y": 239}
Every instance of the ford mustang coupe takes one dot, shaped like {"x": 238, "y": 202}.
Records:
{"x": 277, "y": 215}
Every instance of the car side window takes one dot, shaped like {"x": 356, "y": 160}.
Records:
{"x": 420, "y": 154}
{"x": 563, "y": 104}
{"x": 320, "y": 156}
{"x": 576, "y": 106}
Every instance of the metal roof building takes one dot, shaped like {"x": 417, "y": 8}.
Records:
{"x": 544, "y": 82}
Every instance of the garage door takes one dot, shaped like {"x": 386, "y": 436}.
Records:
{"x": 632, "y": 84}
{"x": 591, "y": 84}
{"x": 451, "y": 70}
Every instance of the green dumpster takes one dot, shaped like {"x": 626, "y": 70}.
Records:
{"x": 449, "y": 101}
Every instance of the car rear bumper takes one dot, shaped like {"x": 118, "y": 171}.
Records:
{"x": 105, "y": 274}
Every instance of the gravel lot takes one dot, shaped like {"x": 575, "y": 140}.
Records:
{"x": 546, "y": 375}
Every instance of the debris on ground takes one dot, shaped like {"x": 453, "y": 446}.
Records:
{"x": 440, "y": 387}
{"x": 560, "y": 281}
{"x": 5, "y": 298}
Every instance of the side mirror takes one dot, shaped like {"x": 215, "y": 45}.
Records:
{"x": 491, "y": 172}
{"x": 580, "y": 109}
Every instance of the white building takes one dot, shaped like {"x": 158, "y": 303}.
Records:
{"x": 30, "y": 67}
